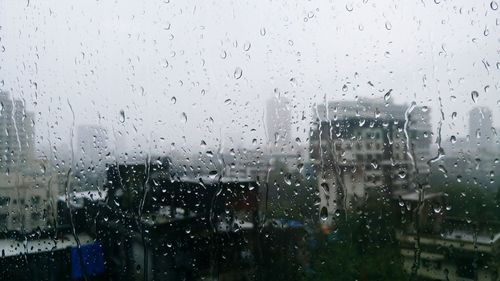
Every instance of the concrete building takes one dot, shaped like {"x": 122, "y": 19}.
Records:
{"x": 359, "y": 146}
{"x": 448, "y": 248}
{"x": 481, "y": 131}
{"x": 16, "y": 134}
{"x": 28, "y": 189}
{"x": 92, "y": 145}
{"x": 278, "y": 123}
{"x": 27, "y": 203}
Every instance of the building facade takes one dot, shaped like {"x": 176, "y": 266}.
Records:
{"x": 361, "y": 146}
{"x": 278, "y": 122}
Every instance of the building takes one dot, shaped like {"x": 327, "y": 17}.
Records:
{"x": 481, "y": 131}
{"x": 92, "y": 145}
{"x": 27, "y": 189}
{"x": 473, "y": 158}
{"x": 176, "y": 229}
{"x": 436, "y": 247}
{"x": 362, "y": 146}
{"x": 16, "y": 134}
{"x": 91, "y": 151}
{"x": 278, "y": 122}
{"x": 27, "y": 202}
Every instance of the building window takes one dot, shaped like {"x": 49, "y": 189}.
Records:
{"x": 35, "y": 200}
{"x": 4, "y": 201}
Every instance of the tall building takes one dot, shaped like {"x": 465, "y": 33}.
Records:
{"x": 27, "y": 189}
{"x": 361, "y": 146}
{"x": 92, "y": 145}
{"x": 27, "y": 202}
{"x": 16, "y": 134}
{"x": 91, "y": 152}
{"x": 481, "y": 131}
{"x": 278, "y": 122}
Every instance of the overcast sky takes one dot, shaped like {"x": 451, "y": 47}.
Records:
{"x": 186, "y": 71}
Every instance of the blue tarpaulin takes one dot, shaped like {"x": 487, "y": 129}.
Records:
{"x": 93, "y": 261}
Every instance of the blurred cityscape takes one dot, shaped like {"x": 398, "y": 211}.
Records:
{"x": 364, "y": 197}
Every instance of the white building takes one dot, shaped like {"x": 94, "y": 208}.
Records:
{"x": 27, "y": 189}
{"x": 16, "y": 134}
{"x": 27, "y": 203}
{"x": 278, "y": 123}
{"x": 91, "y": 146}
{"x": 358, "y": 146}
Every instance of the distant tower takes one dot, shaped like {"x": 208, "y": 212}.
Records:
{"x": 16, "y": 134}
{"x": 278, "y": 122}
{"x": 91, "y": 147}
{"x": 481, "y": 131}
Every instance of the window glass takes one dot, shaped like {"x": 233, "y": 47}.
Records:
{"x": 257, "y": 140}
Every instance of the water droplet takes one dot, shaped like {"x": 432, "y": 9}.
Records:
{"x": 238, "y": 72}
{"x": 212, "y": 174}
{"x": 122, "y": 116}
{"x": 453, "y": 139}
{"x": 263, "y": 31}
{"x": 388, "y": 25}
{"x": 337, "y": 213}
{"x": 454, "y": 115}
{"x": 474, "y": 95}
{"x": 173, "y": 100}
{"x": 223, "y": 55}
{"x": 493, "y": 5}
{"x": 227, "y": 102}
{"x": 323, "y": 214}
{"x": 402, "y": 174}
{"x": 442, "y": 169}
{"x": 184, "y": 118}
{"x": 344, "y": 88}
{"x": 288, "y": 179}
{"x": 247, "y": 46}
{"x": 387, "y": 95}
{"x": 349, "y": 7}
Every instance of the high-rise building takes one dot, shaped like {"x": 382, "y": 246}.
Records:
{"x": 16, "y": 134}
{"x": 362, "y": 146}
{"x": 27, "y": 188}
{"x": 481, "y": 131}
{"x": 278, "y": 122}
{"x": 91, "y": 146}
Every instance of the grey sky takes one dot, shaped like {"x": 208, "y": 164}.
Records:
{"x": 105, "y": 56}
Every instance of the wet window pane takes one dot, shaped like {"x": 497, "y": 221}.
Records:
{"x": 191, "y": 140}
